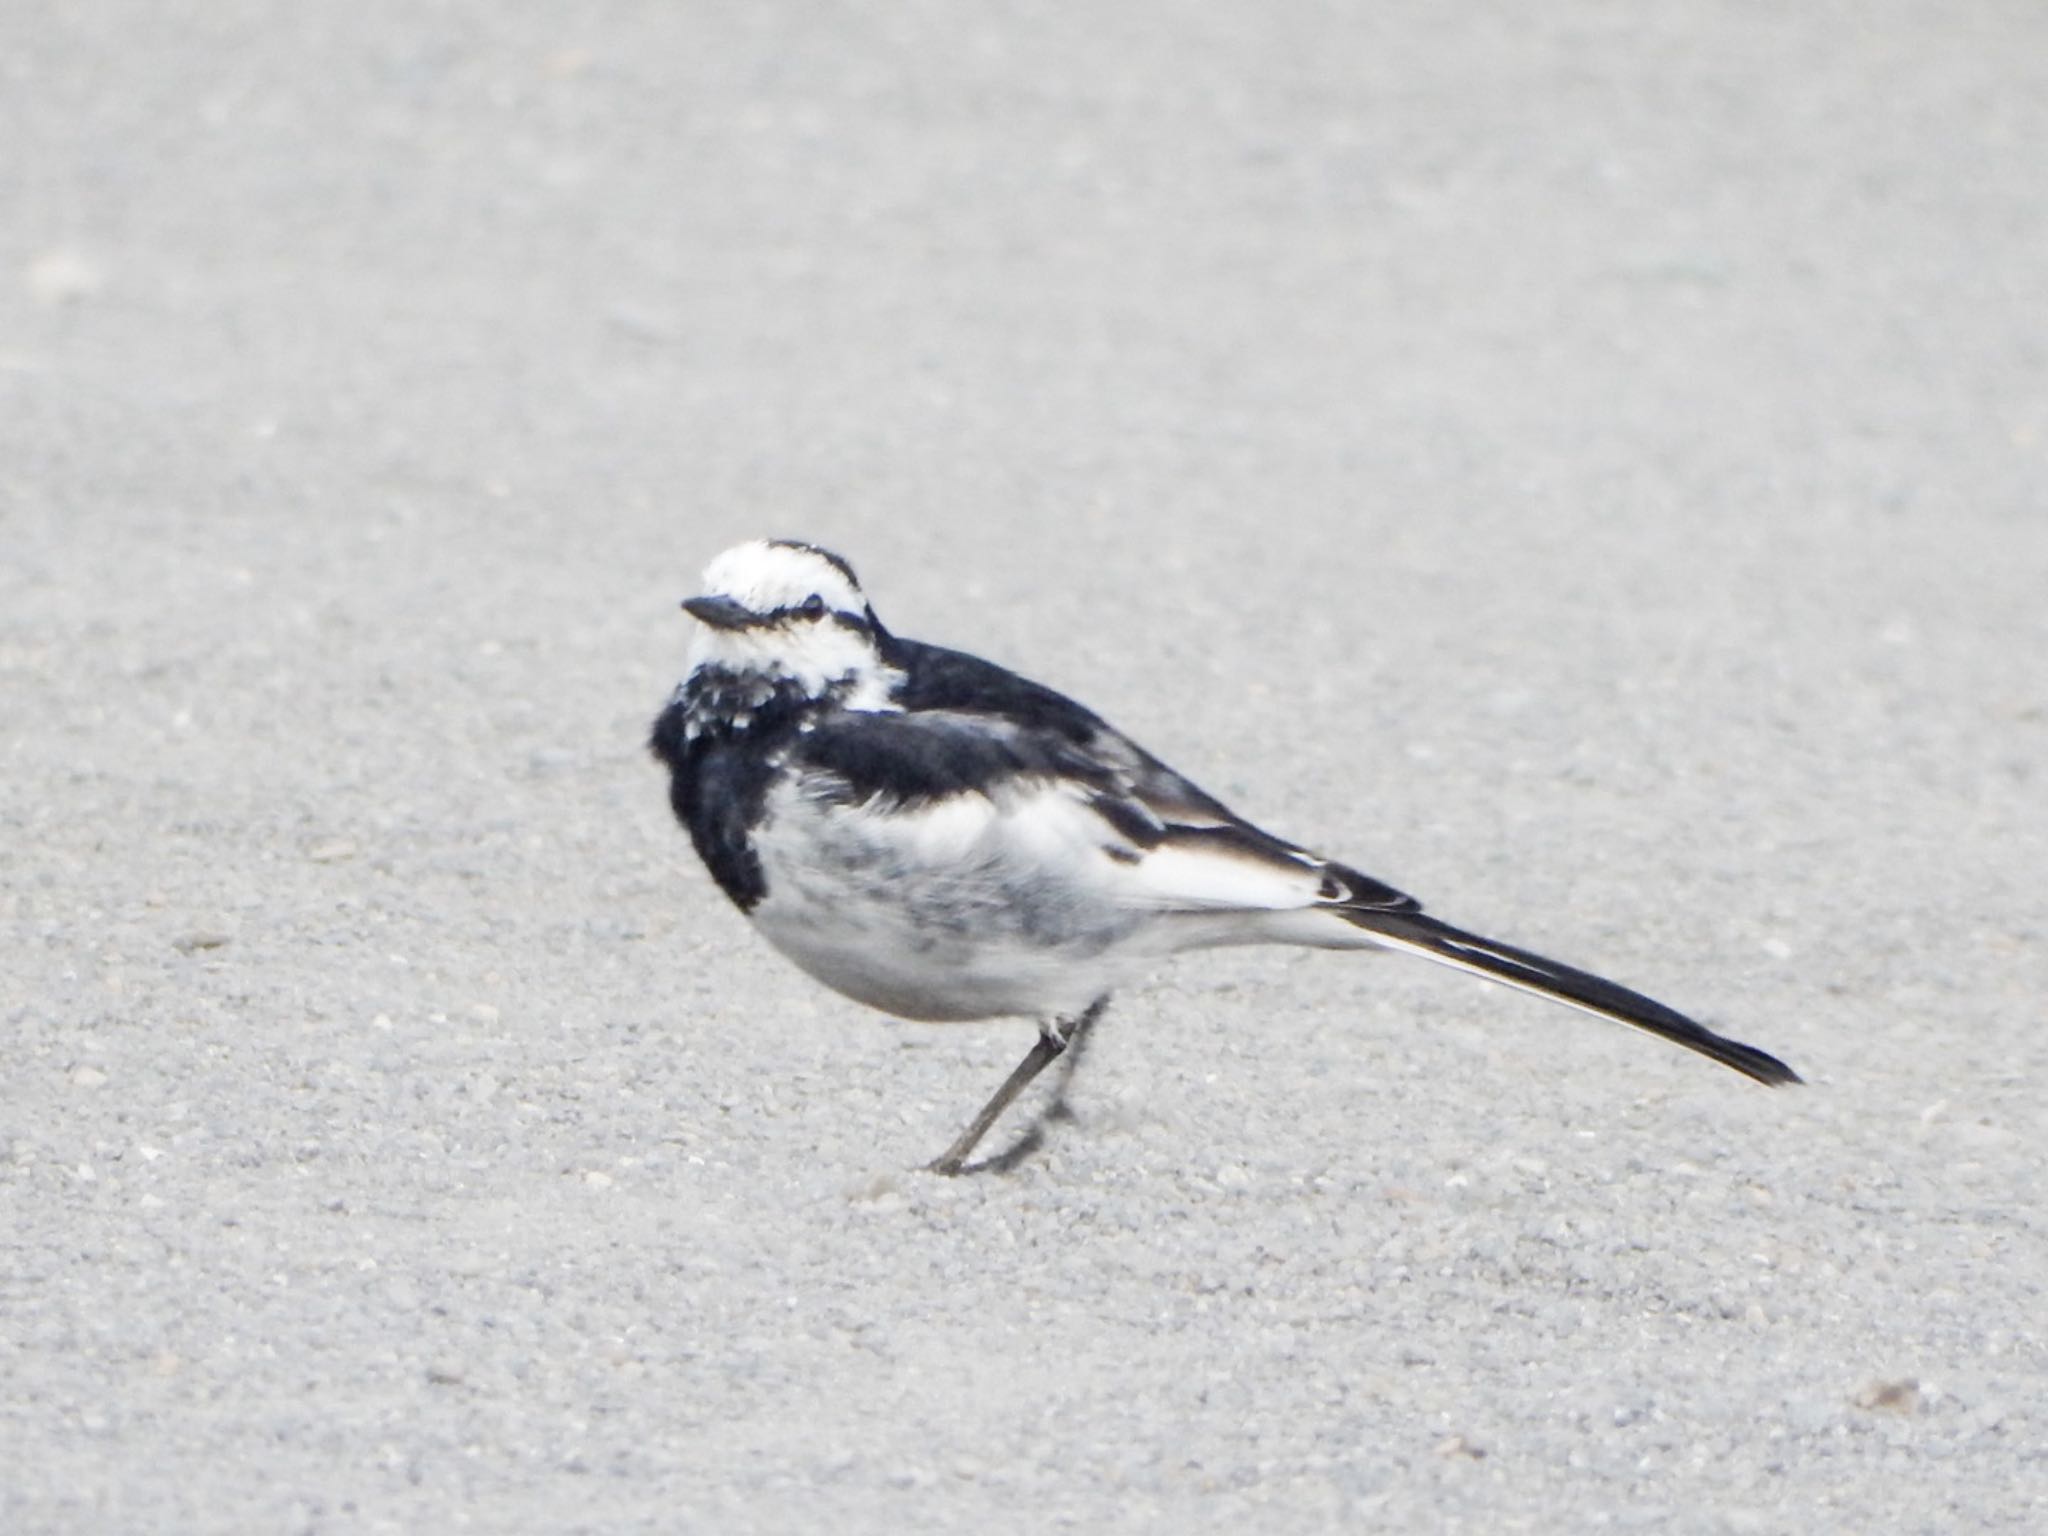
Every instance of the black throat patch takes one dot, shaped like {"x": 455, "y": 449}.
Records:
{"x": 723, "y": 737}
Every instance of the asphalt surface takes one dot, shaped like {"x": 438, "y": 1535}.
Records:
{"x": 1587, "y": 466}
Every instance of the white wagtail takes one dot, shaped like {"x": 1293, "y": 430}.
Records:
{"x": 937, "y": 837}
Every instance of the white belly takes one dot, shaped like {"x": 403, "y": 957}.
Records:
{"x": 963, "y": 914}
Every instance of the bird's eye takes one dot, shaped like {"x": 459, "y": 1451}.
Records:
{"x": 812, "y": 607}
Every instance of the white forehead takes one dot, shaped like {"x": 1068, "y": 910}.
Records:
{"x": 764, "y": 576}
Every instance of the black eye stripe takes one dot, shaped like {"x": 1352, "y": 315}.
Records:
{"x": 813, "y": 609}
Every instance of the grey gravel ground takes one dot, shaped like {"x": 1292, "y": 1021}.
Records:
{"x": 1585, "y": 464}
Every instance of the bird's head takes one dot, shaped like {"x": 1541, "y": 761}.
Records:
{"x": 782, "y": 609}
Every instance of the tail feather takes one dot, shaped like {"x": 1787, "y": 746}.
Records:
{"x": 1433, "y": 940}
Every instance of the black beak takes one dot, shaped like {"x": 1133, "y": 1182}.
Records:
{"x": 718, "y": 612}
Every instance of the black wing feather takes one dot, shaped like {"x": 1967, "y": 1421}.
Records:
{"x": 936, "y": 678}
{"x": 1146, "y": 801}
{"x": 908, "y": 759}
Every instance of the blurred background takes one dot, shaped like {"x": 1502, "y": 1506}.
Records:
{"x": 1584, "y": 464}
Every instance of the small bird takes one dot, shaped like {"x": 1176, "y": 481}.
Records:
{"x": 935, "y": 836}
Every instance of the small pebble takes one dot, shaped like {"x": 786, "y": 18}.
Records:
{"x": 1901, "y": 1396}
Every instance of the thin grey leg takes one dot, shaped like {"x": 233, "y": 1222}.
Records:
{"x": 1051, "y": 1044}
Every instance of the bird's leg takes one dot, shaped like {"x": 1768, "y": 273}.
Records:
{"x": 1047, "y": 1046}
{"x": 1077, "y": 1035}
{"x": 1053, "y": 1039}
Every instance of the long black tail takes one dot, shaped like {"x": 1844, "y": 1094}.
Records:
{"x": 1422, "y": 935}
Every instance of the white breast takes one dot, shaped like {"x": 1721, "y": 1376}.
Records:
{"x": 963, "y": 908}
